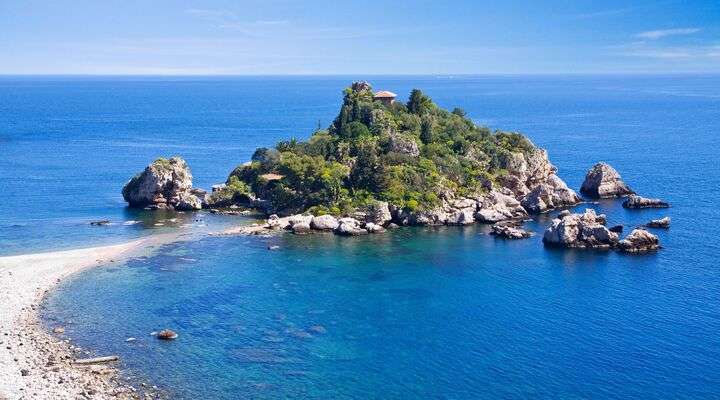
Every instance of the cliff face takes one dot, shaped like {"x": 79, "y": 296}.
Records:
{"x": 165, "y": 183}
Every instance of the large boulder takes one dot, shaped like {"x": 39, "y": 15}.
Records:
{"x": 580, "y": 231}
{"x": 638, "y": 241}
{"x": 603, "y": 181}
{"x": 350, "y": 227}
{"x": 166, "y": 183}
{"x": 324, "y": 223}
{"x": 634, "y": 201}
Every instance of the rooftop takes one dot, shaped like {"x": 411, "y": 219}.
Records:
{"x": 384, "y": 94}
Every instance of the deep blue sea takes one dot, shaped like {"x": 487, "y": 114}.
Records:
{"x": 447, "y": 313}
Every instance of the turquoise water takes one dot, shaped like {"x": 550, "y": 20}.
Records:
{"x": 416, "y": 313}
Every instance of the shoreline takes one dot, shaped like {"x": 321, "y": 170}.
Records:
{"x": 37, "y": 364}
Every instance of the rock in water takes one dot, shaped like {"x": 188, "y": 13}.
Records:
{"x": 660, "y": 223}
{"x": 603, "y": 181}
{"x": 166, "y": 183}
{"x": 509, "y": 232}
{"x": 580, "y": 231}
{"x": 638, "y": 241}
{"x": 350, "y": 227}
{"x": 634, "y": 201}
{"x": 167, "y": 334}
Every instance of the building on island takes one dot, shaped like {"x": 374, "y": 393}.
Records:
{"x": 385, "y": 97}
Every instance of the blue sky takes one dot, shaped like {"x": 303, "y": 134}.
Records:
{"x": 353, "y": 37}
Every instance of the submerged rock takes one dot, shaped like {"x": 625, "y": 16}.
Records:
{"x": 603, "y": 181}
{"x": 659, "y": 223}
{"x": 166, "y": 183}
{"x": 580, "y": 231}
{"x": 634, "y": 201}
{"x": 638, "y": 241}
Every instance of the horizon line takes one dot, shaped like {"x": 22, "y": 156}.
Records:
{"x": 443, "y": 75}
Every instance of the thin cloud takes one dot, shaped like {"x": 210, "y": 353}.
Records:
{"x": 661, "y": 33}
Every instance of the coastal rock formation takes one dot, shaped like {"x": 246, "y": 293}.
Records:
{"x": 496, "y": 206}
{"x": 663, "y": 223}
{"x": 508, "y": 231}
{"x": 580, "y": 231}
{"x": 374, "y": 228}
{"x": 166, "y": 183}
{"x": 379, "y": 213}
{"x": 634, "y": 201}
{"x": 324, "y": 223}
{"x": 551, "y": 194}
{"x": 350, "y": 227}
{"x": 638, "y": 241}
{"x": 533, "y": 180}
{"x": 603, "y": 181}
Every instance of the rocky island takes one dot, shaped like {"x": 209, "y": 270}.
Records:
{"x": 383, "y": 164}
{"x": 380, "y": 162}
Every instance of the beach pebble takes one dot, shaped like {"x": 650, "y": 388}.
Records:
{"x": 167, "y": 334}
{"x": 24, "y": 372}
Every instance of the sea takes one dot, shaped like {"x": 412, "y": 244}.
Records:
{"x": 416, "y": 313}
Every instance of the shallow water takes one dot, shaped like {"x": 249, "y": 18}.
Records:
{"x": 416, "y": 313}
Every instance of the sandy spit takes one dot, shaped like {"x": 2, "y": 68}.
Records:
{"x": 36, "y": 364}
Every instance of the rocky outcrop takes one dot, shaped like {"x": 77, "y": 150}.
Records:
{"x": 580, "y": 231}
{"x": 533, "y": 180}
{"x": 496, "y": 206}
{"x": 603, "y": 181}
{"x": 378, "y": 213}
{"x": 551, "y": 194}
{"x": 403, "y": 145}
{"x": 350, "y": 227}
{"x": 663, "y": 223}
{"x": 634, "y": 201}
{"x": 508, "y": 231}
{"x": 639, "y": 241}
{"x": 324, "y": 223}
{"x": 166, "y": 183}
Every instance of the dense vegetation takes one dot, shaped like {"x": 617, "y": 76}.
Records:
{"x": 402, "y": 153}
